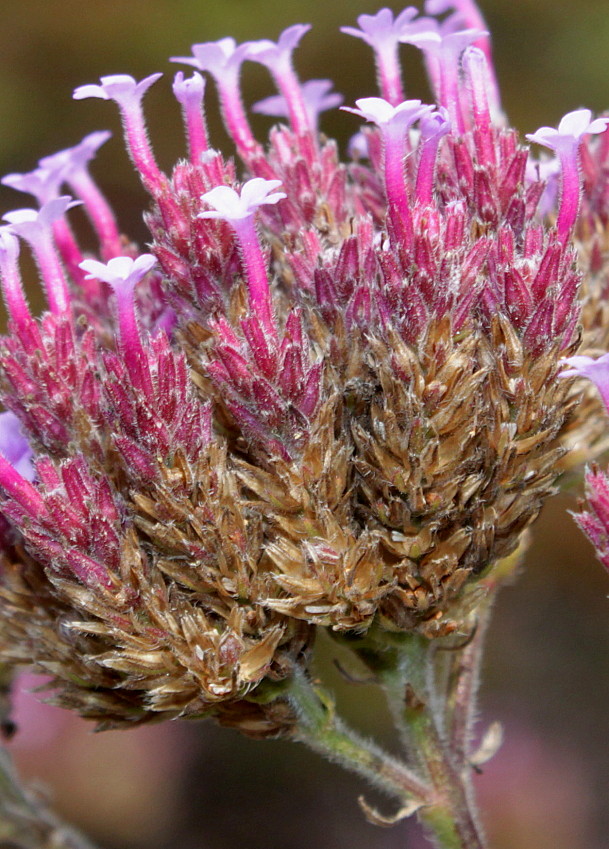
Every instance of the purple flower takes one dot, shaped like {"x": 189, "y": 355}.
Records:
{"x": 565, "y": 142}
{"x": 74, "y": 159}
{"x": 29, "y": 223}
{"x": 595, "y": 370}
{"x": 277, "y": 55}
{"x": 119, "y": 87}
{"x": 216, "y": 57}
{"x": 189, "y": 91}
{"x": 122, "y": 272}
{"x": 223, "y": 60}
{"x": 571, "y": 129}
{"x": 381, "y": 31}
{"x": 316, "y": 95}
{"x": 234, "y": 206}
{"x": 128, "y": 94}
{"x": 384, "y": 35}
{"x": 380, "y": 112}
{"x": 42, "y": 183}
{"x": 14, "y": 447}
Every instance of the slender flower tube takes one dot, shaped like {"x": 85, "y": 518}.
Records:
{"x": 189, "y": 94}
{"x": 223, "y": 60}
{"x": 128, "y": 94}
{"x": 565, "y": 142}
{"x": 123, "y": 273}
{"x": 444, "y": 50}
{"x": 434, "y": 126}
{"x": 239, "y": 211}
{"x": 72, "y": 166}
{"x": 475, "y": 68}
{"x": 44, "y": 184}
{"x": 384, "y": 34}
{"x": 12, "y": 285}
{"x": 394, "y": 123}
{"x": 317, "y": 97}
{"x": 469, "y": 16}
{"x": 36, "y": 227}
{"x": 277, "y": 57}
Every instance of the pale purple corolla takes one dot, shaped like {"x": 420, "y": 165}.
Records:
{"x": 442, "y": 52}
{"x": 223, "y": 59}
{"x": 238, "y": 209}
{"x": 128, "y": 94}
{"x": 36, "y": 228}
{"x": 44, "y": 183}
{"x": 16, "y": 470}
{"x": 595, "y": 370}
{"x": 383, "y": 34}
{"x": 189, "y": 93}
{"x": 72, "y": 167}
{"x": 317, "y": 97}
{"x": 41, "y": 183}
{"x": 277, "y": 57}
{"x": 394, "y": 123}
{"x": 14, "y": 447}
{"x": 123, "y": 273}
{"x": 467, "y": 15}
{"x": 565, "y": 141}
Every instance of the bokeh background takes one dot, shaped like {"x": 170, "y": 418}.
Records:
{"x": 547, "y": 664}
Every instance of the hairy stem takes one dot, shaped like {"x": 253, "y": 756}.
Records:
{"x": 327, "y": 734}
{"x": 434, "y": 723}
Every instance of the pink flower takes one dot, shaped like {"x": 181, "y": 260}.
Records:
{"x": 571, "y": 129}
{"x": 233, "y": 206}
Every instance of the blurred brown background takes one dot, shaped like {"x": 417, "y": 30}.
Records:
{"x": 547, "y": 667}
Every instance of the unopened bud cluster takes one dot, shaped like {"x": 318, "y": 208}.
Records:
{"x": 327, "y": 397}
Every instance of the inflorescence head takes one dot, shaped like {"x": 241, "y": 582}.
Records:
{"x": 327, "y": 397}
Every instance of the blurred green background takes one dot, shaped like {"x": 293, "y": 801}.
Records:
{"x": 547, "y": 667}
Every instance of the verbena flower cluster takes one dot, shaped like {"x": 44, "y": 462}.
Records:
{"x": 327, "y": 397}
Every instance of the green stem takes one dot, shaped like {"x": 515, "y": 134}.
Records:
{"x": 434, "y": 725}
{"x": 328, "y": 735}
